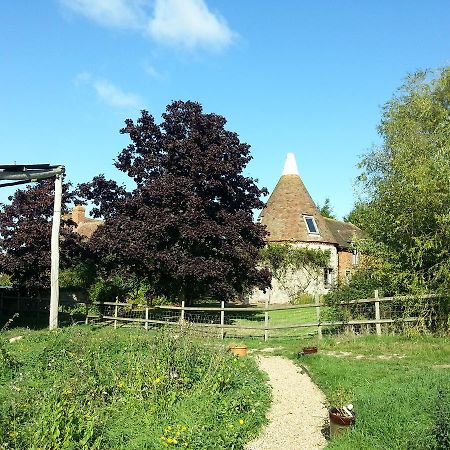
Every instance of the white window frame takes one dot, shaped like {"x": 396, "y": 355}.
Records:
{"x": 355, "y": 257}
{"x": 327, "y": 277}
{"x": 314, "y": 222}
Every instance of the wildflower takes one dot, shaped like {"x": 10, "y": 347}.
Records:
{"x": 13, "y": 434}
{"x": 120, "y": 385}
{"x": 157, "y": 380}
{"x": 241, "y": 421}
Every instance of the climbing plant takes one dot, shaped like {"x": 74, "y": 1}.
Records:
{"x": 285, "y": 261}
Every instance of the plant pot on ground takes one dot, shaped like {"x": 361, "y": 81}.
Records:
{"x": 238, "y": 349}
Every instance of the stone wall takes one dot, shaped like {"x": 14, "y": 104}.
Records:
{"x": 300, "y": 281}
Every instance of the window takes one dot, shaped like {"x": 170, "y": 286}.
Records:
{"x": 311, "y": 225}
{"x": 355, "y": 257}
{"x": 348, "y": 275}
{"x": 327, "y": 277}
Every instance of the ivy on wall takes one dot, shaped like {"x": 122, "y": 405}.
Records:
{"x": 285, "y": 259}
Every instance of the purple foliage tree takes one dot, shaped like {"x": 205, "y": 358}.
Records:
{"x": 187, "y": 227}
{"x": 25, "y": 232}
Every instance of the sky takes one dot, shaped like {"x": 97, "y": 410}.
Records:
{"x": 307, "y": 77}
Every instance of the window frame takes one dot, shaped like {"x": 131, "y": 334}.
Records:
{"x": 305, "y": 217}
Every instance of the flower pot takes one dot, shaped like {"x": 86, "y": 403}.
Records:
{"x": 238, "y": 350}
{"x": 309, "y": 350}
{"x": 339, "y": 423}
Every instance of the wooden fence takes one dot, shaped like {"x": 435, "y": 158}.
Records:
{"x": 369, "y": 315}
{"x": 272, "y": 318}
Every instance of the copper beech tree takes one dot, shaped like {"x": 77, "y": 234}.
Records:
{"x": 25, "y": 230}
{"x": 187, "y": 228}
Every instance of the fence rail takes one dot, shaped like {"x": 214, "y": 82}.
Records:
{"x": 368, "y": 315}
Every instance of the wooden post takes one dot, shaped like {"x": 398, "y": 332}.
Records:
{"x": 222, "y": 318}
{"x": 319, "y": 327}
{"x": 146, "y": 318}
{"x": 266, "y": 320}
{"x": 54, "y": 276}
{"x": 182, "y": 312}
{"x": 116, "y": 312}
{"x": 86, "y": 321}
{"x": 377, "y": 313}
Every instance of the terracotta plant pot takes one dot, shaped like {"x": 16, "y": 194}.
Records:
{"x": 339, "y": 423}
{"x": 309, "y": 350}
{"x": 238, "y": 350}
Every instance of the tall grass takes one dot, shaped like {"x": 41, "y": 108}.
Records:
{"x": 91, "y": 388}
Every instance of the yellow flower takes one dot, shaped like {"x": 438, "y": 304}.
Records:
{"x": 241, "y": 421}
{"x": 158, "y": 380}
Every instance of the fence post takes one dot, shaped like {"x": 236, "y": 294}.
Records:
{"x": 116, "y": 312}
{"x": 146, "y": 318}
{"x": 377, "y": 313}
{"x": 86, "y": 321}
{"x": 317, "y": 302}
{"x": 222, "y": 319}
{"x": 266, "y": 320}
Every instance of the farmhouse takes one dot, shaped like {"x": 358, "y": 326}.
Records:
{"x": 84, "y": 226}
{"x": 292, "y": 217}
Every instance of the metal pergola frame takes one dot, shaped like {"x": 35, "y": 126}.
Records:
{"x": 16, "y": 174}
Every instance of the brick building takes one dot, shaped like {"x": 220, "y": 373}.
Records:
{"x": 291, "y": 216}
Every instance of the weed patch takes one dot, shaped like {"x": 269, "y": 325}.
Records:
{"x": 91, "y": 388}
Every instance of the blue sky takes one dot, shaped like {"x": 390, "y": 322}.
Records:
{"x": 307, "y": 77}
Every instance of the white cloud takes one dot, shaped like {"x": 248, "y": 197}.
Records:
{"x": 182, "y": 23}
{"x": 114, "y": 13}
{"x": 152, "y": 72}
{"x": 188, "y": 23}
{"x": 109, "y": 93}
{"x": 114, "y": 96}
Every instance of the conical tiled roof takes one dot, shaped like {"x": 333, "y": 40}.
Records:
{"x": 288, "y": 205}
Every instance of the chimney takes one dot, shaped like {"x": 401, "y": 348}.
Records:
{"x": 78, "y": 214}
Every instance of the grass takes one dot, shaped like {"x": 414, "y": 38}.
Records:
{"x": 99, "y": 388}
{"x": 399, "y": 385}
{"x": 400, "y": 395}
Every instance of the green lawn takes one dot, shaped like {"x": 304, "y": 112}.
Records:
{"x": 399, "y": 386}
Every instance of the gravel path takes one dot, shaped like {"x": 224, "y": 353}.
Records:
{"x": 298, "y": 409}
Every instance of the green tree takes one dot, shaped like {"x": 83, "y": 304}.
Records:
{"x": 326, "y": 209}
{"x": 356, "y": 215}
{"x": 406, "y": 190}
